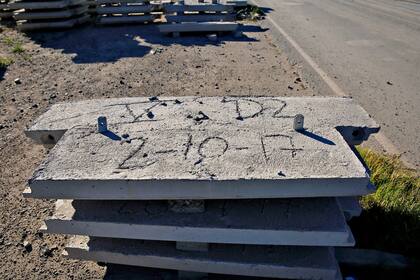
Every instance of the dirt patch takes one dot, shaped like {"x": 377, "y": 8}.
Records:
{"x": 94, "y": 62}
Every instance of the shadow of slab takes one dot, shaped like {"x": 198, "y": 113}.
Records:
{"x": 102, "y": 44}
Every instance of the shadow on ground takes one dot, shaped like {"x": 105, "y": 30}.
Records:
{"x": 390, "y": 231}
{"x": 91, "y": 44}
{"x": 2, "y": 72}
{"x": 123, "y": 272}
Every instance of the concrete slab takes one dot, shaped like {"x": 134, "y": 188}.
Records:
{"x": 170, "y": 8}
{"x": 200, "y": 18}
{"x": 308, "y": 222}
{"x": 192, "y": 246}
{"x": 41, "y": 5}
{"x": 331, "y": 112}
{"x": 199, "y": 27}
{"x": 52, "y": 14}
{"x": 99, "y": 2}
{"x": 205, "y": 161}
{"x": 56, "y": 24}
{"x": 125, "y": 19}
{"x": 237, "y": 3}
{"x": 6, "y": 14}
{"x": 248, "y": 260}
{"x": 350, "y": 206}
{"x": 125, "y": 9}
{"x": 191, "y": 275}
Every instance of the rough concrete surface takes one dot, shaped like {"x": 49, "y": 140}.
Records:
{"x": 85, "y": 63}
{"x": 308, "y": 222}
{"x": 251, "y": 260}
{"x": 206, "y": 161}
{"x": 170, "y": 112}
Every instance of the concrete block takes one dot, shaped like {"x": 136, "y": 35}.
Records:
{"x": 170, "y": 8}
{"x": 191, "y": 275}
{"x": 52, "y": 14}
{"x": 125, "y": 19}
{"x": 199, "y": 18}
{"x": 99, "y": 2}
{"x": 212, "y": 37}
{"x": 6, "y": 14}
{"x": 125, "y": 9}
{"x": 186, "y": 206}
{"x": 350, "y": 206}
{"x": 41, "y": 5}
{"x": 236, "y": 3}
{"x": 205, "y": 161}
{"x": 309, "y": 222}
{"x": 199, "y": 27}
{"x": 171, "y": 112}
{"x": 192, "y": 246}
{"x": 58, "y": 24}
{"x": 247, "y": 260}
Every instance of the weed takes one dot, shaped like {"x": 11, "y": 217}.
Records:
{"x": 16, "y": 45}
{"x": 18, "y": 48}
{"x": 391, "y": 216}
{"x": 4, "y": 62}
{"x": 250, "y": 12}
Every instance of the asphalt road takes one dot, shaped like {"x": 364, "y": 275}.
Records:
{"x": 371, "y": 49}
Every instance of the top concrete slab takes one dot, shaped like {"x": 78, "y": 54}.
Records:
{"x": 181, "y": 112}
{"x": 205, "y": 161}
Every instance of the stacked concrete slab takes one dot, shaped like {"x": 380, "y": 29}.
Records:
{"x": 49, "y": 14}
{"x": 198, "y": 16}
{"x": 92, "y": 5}
{"x": 127, "y": 11}
{"x": 209, "y": 185}
{"x": 6, "y": 13}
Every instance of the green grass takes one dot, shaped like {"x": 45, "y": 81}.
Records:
{"x": 5, "y": 61}
{"x": 9, "y": 41}
{"x": 391, "y": 217}
{"x": 16, "y": 45}
{"x": 18, "y": 48}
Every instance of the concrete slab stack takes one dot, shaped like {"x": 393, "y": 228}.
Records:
{"x": 127, "y": 11}
{"x": 198, "y": 16}
{"x": 92, "y": 5}
{"x": 49, "y": 14}
{"x": 209, "y": 185}
{"x": 6, "y": 12}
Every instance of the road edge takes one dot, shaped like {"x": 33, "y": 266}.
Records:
{"x": 316, "y": 77}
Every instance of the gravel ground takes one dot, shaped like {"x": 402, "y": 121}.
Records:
{"x": 95, "y": 62}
